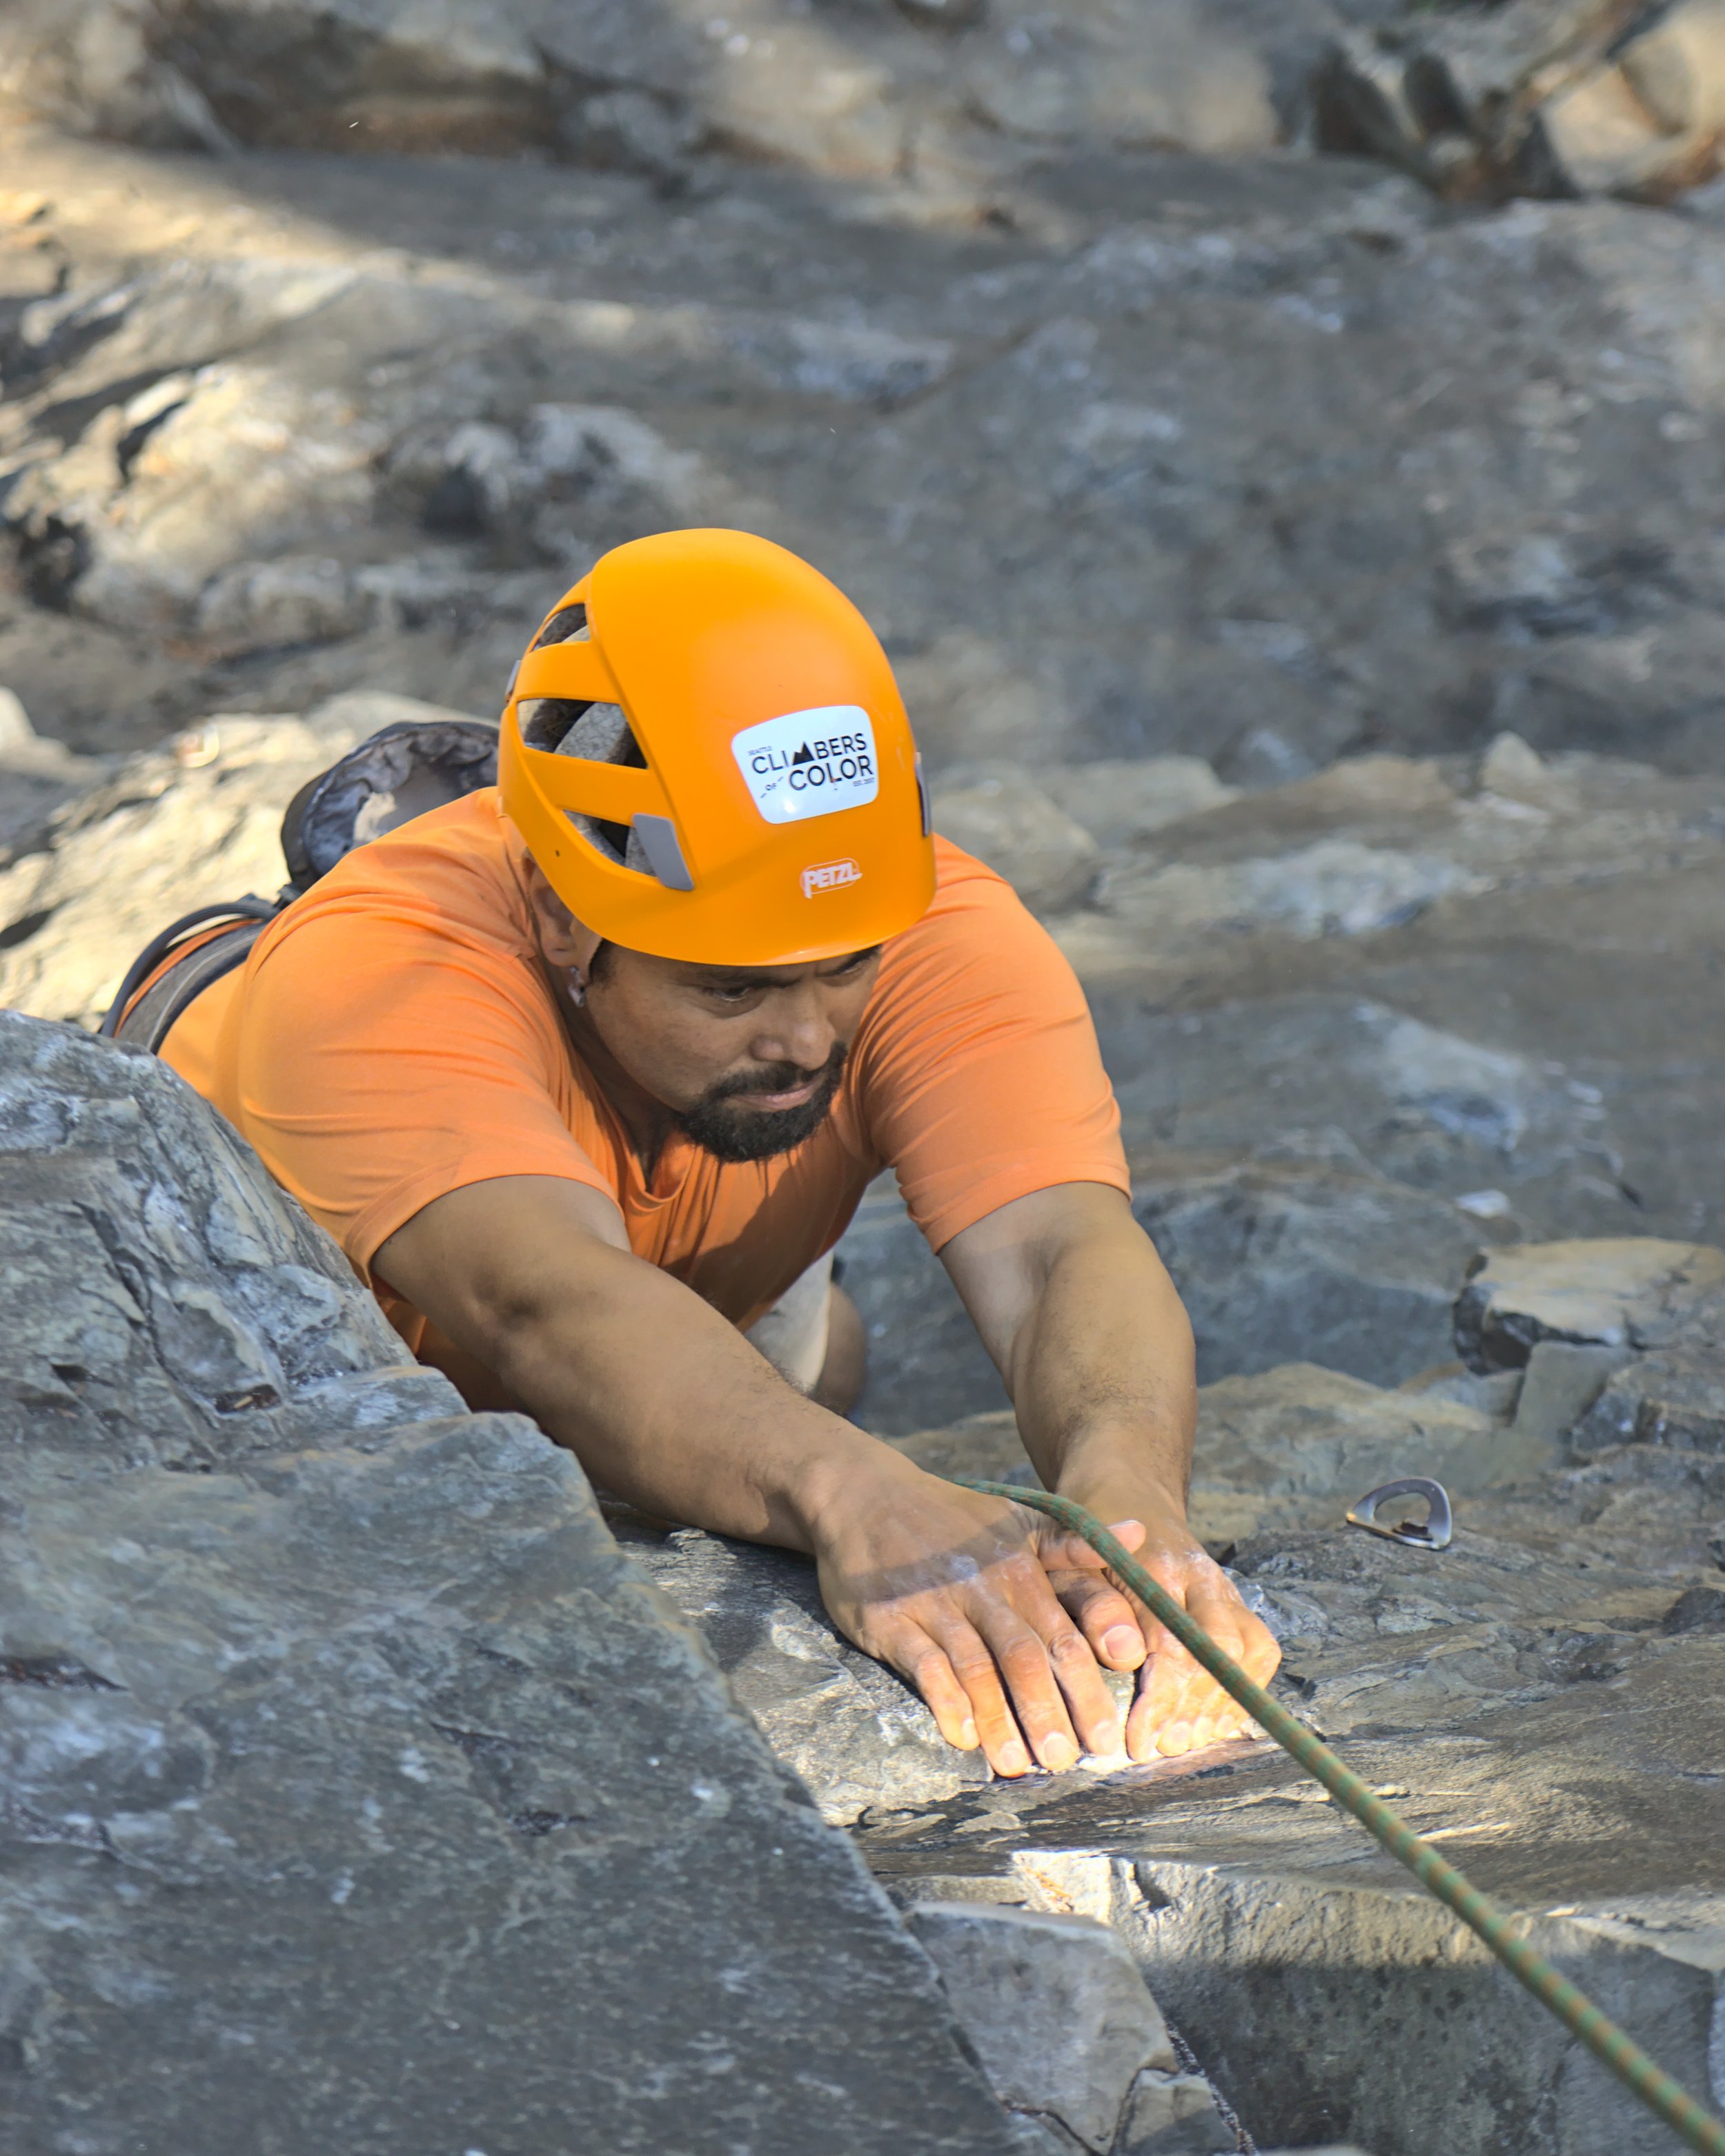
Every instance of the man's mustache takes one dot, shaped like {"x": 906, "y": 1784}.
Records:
{"x": 774, "y": 1078}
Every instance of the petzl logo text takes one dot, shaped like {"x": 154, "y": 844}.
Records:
{"x": 829, "y": 875}
{"x": 810, "y": 763}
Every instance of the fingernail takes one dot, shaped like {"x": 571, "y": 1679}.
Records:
{"x": 1059, "y": 1753}
{"x": 1121, "y": 1643}
{"x": 967, "y": 1733}
{"x": 1177, "y": 1736}
{"x": 1014, "y": 1759}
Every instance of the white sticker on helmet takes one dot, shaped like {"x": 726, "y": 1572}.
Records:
{"x": 809, "y": 763}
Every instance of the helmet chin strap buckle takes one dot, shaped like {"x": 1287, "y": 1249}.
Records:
{"x": 1432, "y": 1533}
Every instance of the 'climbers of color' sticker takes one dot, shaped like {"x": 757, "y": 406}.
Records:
{"x": 809, "y": 763}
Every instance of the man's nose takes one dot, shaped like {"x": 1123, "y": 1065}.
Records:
{"x": 801, "y": 1032}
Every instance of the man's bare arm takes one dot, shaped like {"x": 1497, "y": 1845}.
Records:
{"x": 1080, "y": 1314}
{"x": 666, "y": 1404}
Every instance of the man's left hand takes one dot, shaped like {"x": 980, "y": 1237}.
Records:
{"x": 1179, "y": 1707}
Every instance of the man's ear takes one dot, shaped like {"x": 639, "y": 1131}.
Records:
{"x": 567, "y": 942}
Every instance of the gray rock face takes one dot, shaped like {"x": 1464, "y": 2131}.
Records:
{"x": 859, "y": 93}
{"x": 1580, "y": 97}
{"x": 1333, "y": 1074}
{"x": 175, "y": 1311}
{"x": 40, "y": 777}
{"x": 1067, "y": 2033}
{"x": 1303, "y": 1434}
{"x": 193, "y": 823}
{"x": 251, "y": 442}
{"x": 1314, "y": 1264}
{"x": 857, "y": 1736}
{"x": 1376, "y": 841}
{"x": 1542, "y": 1696}
{"x": 1637, "y": 1327}
{"x": 1636, "y": 1293}
{"x": 1675, "y": 1396}
{"x": 337, "y": 1732}
{"x": 1006, "y": 818}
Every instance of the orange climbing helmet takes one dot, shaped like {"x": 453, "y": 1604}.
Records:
{"x": 707, "y": 755}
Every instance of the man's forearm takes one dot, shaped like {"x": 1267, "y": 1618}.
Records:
{"x": 1092, "y": 1340}
{"x": 1102, "y": 1375}
{"x": 667, "y": 1405}
{"x": 662, "y": 1400}
{"x": 1090, "y": 1334}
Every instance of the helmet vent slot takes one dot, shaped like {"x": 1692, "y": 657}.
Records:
{"x": 594, "y": 733}
{"x": 568, "y": 625}
{"x": 601, "y": 734}
{"x": 545, "y": 722}
{"x": 615, "y": 843}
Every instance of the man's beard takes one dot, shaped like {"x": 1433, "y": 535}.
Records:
{"x": 735, "y": 1134}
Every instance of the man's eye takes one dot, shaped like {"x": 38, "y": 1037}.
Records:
{"x": 733, "y": 998}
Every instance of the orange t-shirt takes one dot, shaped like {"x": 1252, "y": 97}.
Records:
{"x": 393, "y": 1036}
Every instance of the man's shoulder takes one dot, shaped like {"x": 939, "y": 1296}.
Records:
{"x": 971, "y": 902}
{"x": 969, "y": 898}
{"x": 977, "y": 944}
{"x": 962, "y": 876}
{"x": 454, "y": 872}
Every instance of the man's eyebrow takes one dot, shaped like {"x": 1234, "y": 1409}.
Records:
{"x": 761, "y": 977}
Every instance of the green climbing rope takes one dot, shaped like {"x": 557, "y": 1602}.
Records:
{"x": 1667, "y": 2098}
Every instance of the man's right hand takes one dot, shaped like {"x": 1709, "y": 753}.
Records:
{"x": 950, "y": 1588}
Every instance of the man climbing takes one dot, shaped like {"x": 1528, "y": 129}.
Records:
{"x": 587, "y": 1071}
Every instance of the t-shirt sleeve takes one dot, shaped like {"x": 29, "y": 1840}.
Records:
{"x": 382, "y": 1062}
{"x": 981, "y": 1078}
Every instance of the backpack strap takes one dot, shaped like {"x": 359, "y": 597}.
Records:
{"x": 403, "y": 770}
{"x": 143, "y": 1020}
